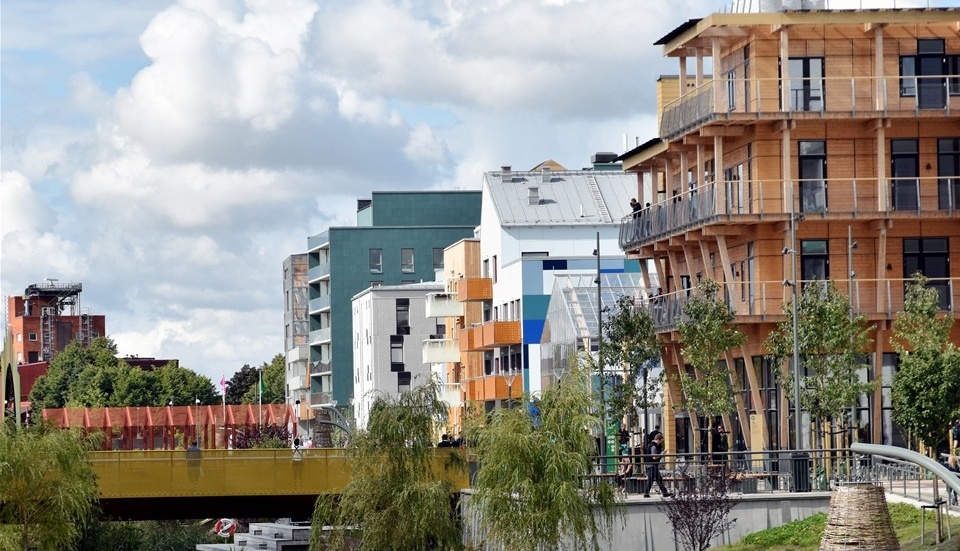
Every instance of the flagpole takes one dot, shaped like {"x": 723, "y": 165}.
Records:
{"x": 260, "y": 399}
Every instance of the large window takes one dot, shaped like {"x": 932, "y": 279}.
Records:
{"x": 376, "y": 261}
{"x": 396, "y": 353}
{"x": 948, "y": 170}
{"x": 814, "y": 260}
{"x": 806, "y": 83}
{"x": 931, "y": 75}
{"x": 403, "y": 316}
{"x": 905, "y": 169}
{"x": 437, "y": 259}
{"x": 931, "y": 257}
{"x": 812, "y": 165}
{"x": 406, "y": 261}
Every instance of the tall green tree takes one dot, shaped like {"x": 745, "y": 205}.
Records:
{"x": 530, "y": 492}
{"x": 926, "y": 388}
{"x": 240, "y": 383}
{"x": 274, "y": 383}
{"x": 184, "y": 386}
{"x": 47, "y": 487}
{"x": 51, "y": 389}
{"x": 832, "y": 344}
{"x": 707, "y": 333}
{"x": 631, "y": 343}
{"x": 396, "y": 500}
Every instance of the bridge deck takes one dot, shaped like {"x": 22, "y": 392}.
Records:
{"x": 179, "y": 484}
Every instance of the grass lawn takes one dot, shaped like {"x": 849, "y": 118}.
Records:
{"x": 804, "y": 535}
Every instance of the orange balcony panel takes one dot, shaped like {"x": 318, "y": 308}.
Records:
{"x": 500, "y": 333}
{"x": 469, "y": 340}
{"x": 470, "y": 289}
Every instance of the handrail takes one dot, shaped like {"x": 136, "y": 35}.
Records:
{"x": 949, "y": 478}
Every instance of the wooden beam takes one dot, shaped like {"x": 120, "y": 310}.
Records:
{"x": 732, "y": 229}
{"x": 732, "y": 130}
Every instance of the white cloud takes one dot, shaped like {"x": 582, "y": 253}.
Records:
{"x": 170, "y": 154}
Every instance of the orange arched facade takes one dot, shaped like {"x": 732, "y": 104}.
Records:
{"x": 171, "y": 427}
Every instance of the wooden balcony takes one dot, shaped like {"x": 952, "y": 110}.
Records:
{"x": 471, "y": 289}
{"x": 821, "y": 98}
{"x": 771, "y": 200}
{"x": 443, "y": 305}
{"x": 439, "y": 351}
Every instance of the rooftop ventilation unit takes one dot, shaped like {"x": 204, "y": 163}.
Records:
{"x": 545, "y": 175}
{"x": 533, "y": 195}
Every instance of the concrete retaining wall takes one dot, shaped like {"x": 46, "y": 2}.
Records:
{"x": 647, "y": 529}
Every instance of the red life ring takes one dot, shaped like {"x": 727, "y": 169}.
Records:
{"x": 225, "y": 527}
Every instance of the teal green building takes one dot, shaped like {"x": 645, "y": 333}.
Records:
{"x": 399, "y": 238}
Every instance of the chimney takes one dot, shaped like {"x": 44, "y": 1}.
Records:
{"x": 533, "y": 194}
{"x": 545, "y": 175}
{"x": 505, "y": 173}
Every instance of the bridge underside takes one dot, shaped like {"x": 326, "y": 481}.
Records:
{"x": 296, "y": 507}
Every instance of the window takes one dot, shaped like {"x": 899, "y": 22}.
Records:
{"x": 403, "y": 381}
{"x": 731, "y": 90}
{"x": 806, "y": 83}
{"x": 396, "y": 353}
{"x": 948, "y": 169}
{"x": 437, "y": 259}
{"x": 19, "y": 337}
{"x": 493, "y": 266}
{"x": 486, "y": 268}
{"x": 376, "y": 283}
{"x": 376, "y": 261}
{"x": 930, "y": 75}
{"x": 406, "y": 281}
{"x": 403, "y": 316}
{"x": 814, "y": 261}
{"x": 931, "y": 257}
{"x": 406, "y": 261}
{"x": 905, "y": 169}
{"x": 812, "y": 165}
{"x": 32, "y": 336}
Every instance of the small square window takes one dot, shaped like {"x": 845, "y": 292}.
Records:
{"x": 32, "y": 336}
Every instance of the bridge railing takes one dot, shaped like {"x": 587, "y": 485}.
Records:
{"x": 748, "y": 471}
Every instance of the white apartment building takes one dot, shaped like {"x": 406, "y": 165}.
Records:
{"x": 389, "y": 327}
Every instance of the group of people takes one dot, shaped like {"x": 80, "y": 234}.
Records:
{"x": 447, "y": 442}
{"x": 650, "y": 453}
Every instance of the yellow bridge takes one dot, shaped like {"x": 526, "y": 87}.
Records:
{"x": 164, "y": 484}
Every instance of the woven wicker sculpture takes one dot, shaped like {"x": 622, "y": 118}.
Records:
{"x": 859, "y": 519}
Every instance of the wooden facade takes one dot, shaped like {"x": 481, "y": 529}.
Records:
{"x": 842, "y": 124}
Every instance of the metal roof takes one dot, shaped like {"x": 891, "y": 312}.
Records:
{"x": 568, "y": 198}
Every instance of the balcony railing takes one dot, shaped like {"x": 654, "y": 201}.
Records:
{"x": 765, "y": 300}
{"x": 320, "y": 368}
{"x": 500, "y": 333}
{"x": 471, "y": 289}
{"x": 730, "y": 99}
{"x": 318, "y": 272}
{"x": 756, "y": 200}
{"x": 443, "y": 305}
{"x": 436, "y": 351}
{"x": 319, "y": 336}
{"x": 319, "y": 303}
{"x": 318, "y": 399}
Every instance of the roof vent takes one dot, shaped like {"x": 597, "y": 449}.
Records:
{"x": 545, "y": 175}
{"x": 505, "y": 173}
{"x": 603, "y": 157}
{"x": 533, "y": 194}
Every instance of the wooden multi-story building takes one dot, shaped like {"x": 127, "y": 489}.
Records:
{"x": 826, "y": 141}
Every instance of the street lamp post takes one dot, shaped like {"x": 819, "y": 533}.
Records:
{"x": 196, "y": 422}
{"x": 603, "y": 400}
{"x": 794, "y": 218}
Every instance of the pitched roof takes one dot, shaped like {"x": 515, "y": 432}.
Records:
{"x": 567, "y": 198}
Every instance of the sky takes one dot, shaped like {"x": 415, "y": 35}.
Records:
{"x": 170, "y": 154}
